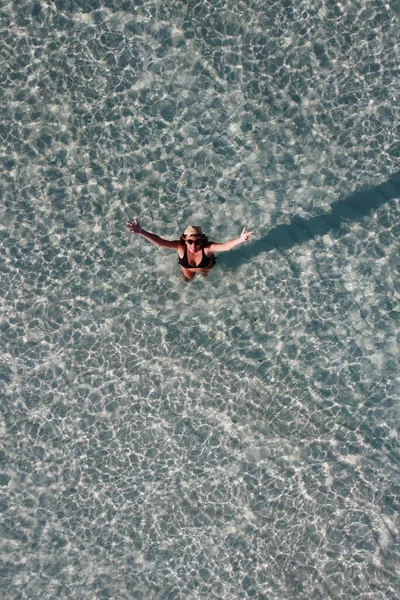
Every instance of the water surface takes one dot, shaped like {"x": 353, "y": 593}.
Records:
{"x": 237, "y": 436}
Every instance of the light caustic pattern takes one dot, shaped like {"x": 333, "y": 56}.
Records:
{"x": 235, "y": 436}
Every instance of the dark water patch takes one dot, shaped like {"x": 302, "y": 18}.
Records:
{"x": 353, "y": 208}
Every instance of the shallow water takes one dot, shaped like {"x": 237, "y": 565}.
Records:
{"x": 235, "y": 436}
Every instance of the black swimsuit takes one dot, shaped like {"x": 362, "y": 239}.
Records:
{"x": 205, "y": 263}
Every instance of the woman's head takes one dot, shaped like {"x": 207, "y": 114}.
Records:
{"x": 193, "y": 236}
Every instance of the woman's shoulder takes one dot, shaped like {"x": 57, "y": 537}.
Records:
{"x": 180, "y": 248}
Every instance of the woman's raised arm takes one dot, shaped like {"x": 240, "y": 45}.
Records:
{"x": 230, "y": 244}
{"x": 134, "y": 227}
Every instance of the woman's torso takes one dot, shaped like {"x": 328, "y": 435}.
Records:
{"x": 199, "y": 260}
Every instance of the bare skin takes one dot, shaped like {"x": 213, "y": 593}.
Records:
{"x": 194, "y": 246}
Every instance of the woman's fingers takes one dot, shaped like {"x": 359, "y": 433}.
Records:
{"x": 133, "y": 226}
{"x": 246, "y": 234}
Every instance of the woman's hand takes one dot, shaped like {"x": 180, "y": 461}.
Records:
{"x": 134, "y": 226}
{"x": 244, "y": 236}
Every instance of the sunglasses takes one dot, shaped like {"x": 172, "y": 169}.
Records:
{"x": 193, "y": 242}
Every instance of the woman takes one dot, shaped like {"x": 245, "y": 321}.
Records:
{"x": 196, "y": 253}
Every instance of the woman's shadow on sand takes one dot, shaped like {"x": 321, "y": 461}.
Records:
{"x": 299, "y": 230}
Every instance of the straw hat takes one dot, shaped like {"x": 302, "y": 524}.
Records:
{"x": 193, "y": 230}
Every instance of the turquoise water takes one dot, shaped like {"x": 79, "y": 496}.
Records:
{"x": 233, "y": 437}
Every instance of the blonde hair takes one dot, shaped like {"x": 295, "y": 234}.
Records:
{"x": 194, "y": 231}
